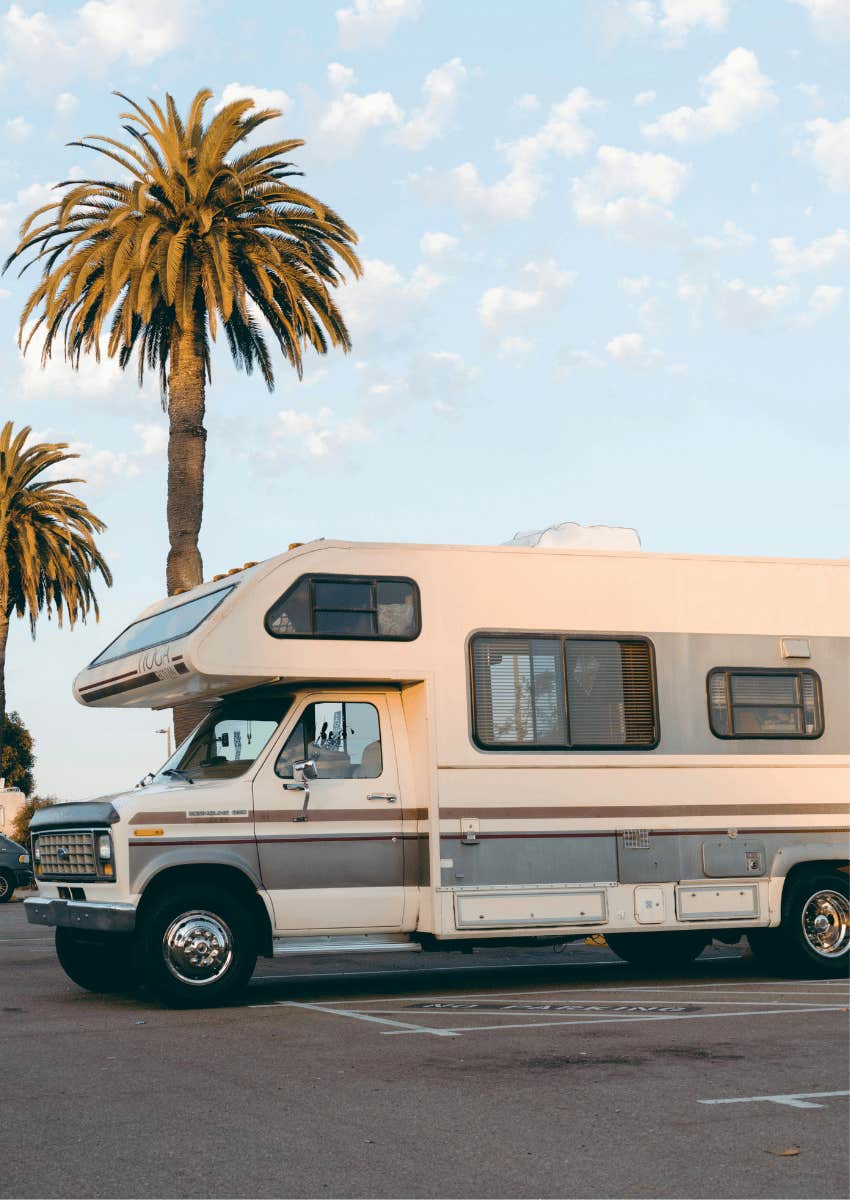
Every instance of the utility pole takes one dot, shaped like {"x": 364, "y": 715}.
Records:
{"x": 167, "y": 732}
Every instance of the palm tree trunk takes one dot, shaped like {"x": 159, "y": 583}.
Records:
{"x": 4, "y": 634}
{"x": 186, "y": 449}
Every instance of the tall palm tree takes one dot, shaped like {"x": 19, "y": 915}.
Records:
{"x": 194, "y": 235}
{"x": 48, "y": 554}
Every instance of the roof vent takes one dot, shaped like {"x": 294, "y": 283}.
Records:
{"x": 569, "y": 535}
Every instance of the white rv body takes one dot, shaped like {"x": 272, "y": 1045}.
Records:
{"x": 436, "y": 835}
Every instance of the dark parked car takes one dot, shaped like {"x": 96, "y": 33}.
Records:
{"x": 14, "y": 868}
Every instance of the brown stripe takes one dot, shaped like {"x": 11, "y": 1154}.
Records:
{"x": 743, "y": 830}
{"x": 92, "y": 687}
{"x": 337, "y": 814}
{"x": 136, "y": 682}
{"x": 628, "y": 811}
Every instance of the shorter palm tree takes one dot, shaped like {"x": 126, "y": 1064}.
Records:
{"x": 48, "y": 554}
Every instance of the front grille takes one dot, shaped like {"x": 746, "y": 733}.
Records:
{"x": 67, "y": 855}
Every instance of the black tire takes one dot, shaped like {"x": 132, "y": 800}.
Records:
{"x": 658, "y": 951}
{"x": 814, "y": 936}
{"x": 196, "y": 947}
{"x": 96, "y": 962}
{"x": 7, "y": 886}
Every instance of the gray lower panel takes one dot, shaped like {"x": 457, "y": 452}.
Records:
{"x": 299, "y": 863}
{"x": 522, "y": 860}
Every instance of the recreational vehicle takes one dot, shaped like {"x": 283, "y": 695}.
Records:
{"x": 413, "y": 747}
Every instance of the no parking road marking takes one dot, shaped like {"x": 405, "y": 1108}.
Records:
{"x": 789, "y": 1099}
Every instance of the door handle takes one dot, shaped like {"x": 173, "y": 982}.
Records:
{"x": 388, "y": 796}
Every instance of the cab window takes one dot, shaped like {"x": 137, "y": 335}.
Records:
{"x": 343, "y": 739}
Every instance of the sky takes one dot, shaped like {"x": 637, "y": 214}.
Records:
{"x": 605, "y": 245}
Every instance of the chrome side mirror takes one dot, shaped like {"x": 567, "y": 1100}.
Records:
{"x": 308, "y": 771}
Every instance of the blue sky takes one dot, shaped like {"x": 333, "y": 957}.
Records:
{"x": 606, "y": 248}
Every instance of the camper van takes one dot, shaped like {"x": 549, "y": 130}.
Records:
{"x": 411, "y": 748}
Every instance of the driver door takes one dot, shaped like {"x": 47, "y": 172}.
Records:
{"x": 341, "y": 867}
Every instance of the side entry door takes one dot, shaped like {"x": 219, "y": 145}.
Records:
{"x": 331, "y": 858}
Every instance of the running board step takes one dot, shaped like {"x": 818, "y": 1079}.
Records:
{"x": 367, "y": 943}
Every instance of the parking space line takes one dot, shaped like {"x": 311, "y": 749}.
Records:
{"x": 572, "y": 991}
{"x": 789, "y": 1099}
{"x": 591, "y": 1020}
{"x": 402, "y": 1026}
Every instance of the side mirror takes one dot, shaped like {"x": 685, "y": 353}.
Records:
{"x": 307, "y": 769}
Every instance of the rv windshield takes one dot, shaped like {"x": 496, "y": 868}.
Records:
{"x": 227, "y": 741}
{"x": 162, "y": 627}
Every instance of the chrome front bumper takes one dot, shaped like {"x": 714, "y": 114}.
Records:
{"x": 80, "y": 914}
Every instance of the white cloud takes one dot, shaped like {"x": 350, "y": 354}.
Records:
{"x": 95, "y": 468}
{"x": 673, "y": 19}
{"x": 569, "y": 361}
{"x": 634, "y": 284}
{"x": 66, "y": 104}
{"x": 825, "y": 298}
{"x": 501, "y": 306}
{"x": 380, "y": 306}
{"x": 13, "y": 212}
{"x": 643, "y": 98}
{"x": 742, "y": 304}
{"x": 679, "y": 17}
{"x": 18, "y": 129}
{"x": 88, "y": 39}
{"x": 830, "y": 18}
{"x": 371, "y": 23}
{"x": 631, "y": 350}
{"x": 318, "y": 435}
{"x": 736, "y": 91}
{"x": 731, "y": 237}
{"x": 348, "y": 118}
{"x": 436, "y": 244}
{"x": 141, "y": 33}
{"x": 340, "y": 77}
{"x": 442, "y": 88}
{"x": 154, "y": 438}
{"x": 820, "y": 255}
{"x": 830, "y": 150}
{"x": 262, "y": 97}
{"x": 626, "y": 192}
{"x": 514, "y": 196}
{"x": 812, "y": 93}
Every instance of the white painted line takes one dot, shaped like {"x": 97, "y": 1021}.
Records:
{"x": 578, "y": 991}
{"x": 591, "y": 1020}
{"x": 402, "y": 1026}
{"x": 790, "y": 1100}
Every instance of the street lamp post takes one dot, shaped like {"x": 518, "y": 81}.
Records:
{"x": 167, "y": 732}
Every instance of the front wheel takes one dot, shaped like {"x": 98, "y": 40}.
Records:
{"x": 814, "y": 936}
{"x": 658, "y": 951}
{"x": 96, "y": 963}
{"x": 197, "y": 948}
{"x": 7, "y": 886}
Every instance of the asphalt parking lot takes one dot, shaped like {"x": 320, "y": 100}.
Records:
{"x": 430, "y": 1075}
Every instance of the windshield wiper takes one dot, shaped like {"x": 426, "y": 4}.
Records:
{"x": 178, "y": 774}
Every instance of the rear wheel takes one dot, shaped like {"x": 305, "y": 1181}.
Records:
{"x": 98, "y": 963}
{"x": 814, "y": 936}
{"x": 7, "y": 886}
{"x": 658, "y": 951}
{"x": 197, "y": 947}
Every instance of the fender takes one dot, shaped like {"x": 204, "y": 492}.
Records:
{"x": 147, "y": 861}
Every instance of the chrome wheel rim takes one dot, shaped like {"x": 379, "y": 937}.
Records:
{"x": 197, "y": 948}
{"x": 826, "y": 923}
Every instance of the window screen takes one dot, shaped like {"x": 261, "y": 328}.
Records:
{"x": 347, "y": 606}
{"x": 745, "y": 703}
{"x": 557, "y": 692}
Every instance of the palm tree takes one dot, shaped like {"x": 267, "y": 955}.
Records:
{"x": 192, "y": 236}
{"x": 47, "y": 548}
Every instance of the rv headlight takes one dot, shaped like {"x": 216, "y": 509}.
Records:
{"x": 36, "y": 853}
{"x": 104, "y": 847}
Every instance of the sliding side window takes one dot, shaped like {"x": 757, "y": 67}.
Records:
{"x": 347, "y": 606}
{"x": 749, "y": 703}
{"x": 550, "y": 692}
